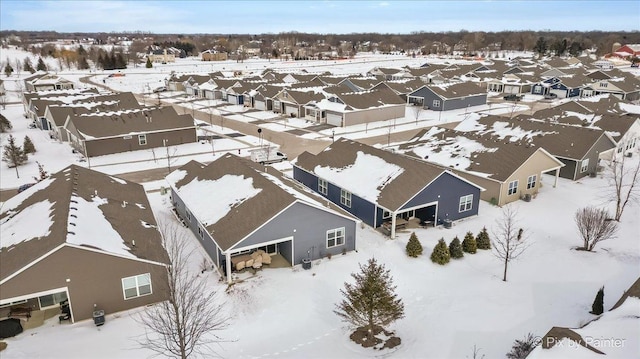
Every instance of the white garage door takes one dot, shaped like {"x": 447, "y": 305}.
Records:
{"x": 334, "y": 119}
{"x": 560, "y": 93}
{"x": 511, "y": 89}
{"x": 232, "y": 99}
{"x": 260, "y": 105}
{"x": 288, "y": 110}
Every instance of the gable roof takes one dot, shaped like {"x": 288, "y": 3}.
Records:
{"x": 560, "y": 140}
{"x": 457, "y": 90}
{"x": 481, "y": 155}
{"x": 233, "y": 196}
{"x": 107, "y": 124}
{"x": 79, "y": 207}
{"x": 379, "y": 176}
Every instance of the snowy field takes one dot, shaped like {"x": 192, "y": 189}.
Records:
{"x": 287, "y": 313}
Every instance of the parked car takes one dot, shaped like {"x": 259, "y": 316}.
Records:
{"x": 550, "y": 96}
{"x": 160, "y": 89}
{"x": 24, "y": 187}
{"x": 513, "y": 97}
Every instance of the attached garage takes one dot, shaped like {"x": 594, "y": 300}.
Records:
{"x": 559, "y": 92}
{"x": 260, "y": 105}
{"x": 511, "y": 89}
{"x": 334, "y": 119}
{"x": 291, "y": 110}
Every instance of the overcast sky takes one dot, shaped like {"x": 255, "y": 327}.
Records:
{"x": 255, "y": 17}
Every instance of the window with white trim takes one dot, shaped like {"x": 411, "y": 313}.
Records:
{"x": 386, "y": 214}
{"x": 322, "y": 186}
{"x": 584, "y": 166}
{"x": 52, "y": 300}
{"x": 345, "y": 198}
{"x": 436, "y": 103}
{"x": 531, "y": 181}
{"x": 335, "y": 237}
{"x": 466, "y": 203}
{"x": 142, "y": 140}
{"x": 136, "y": 286}
{"x": 537, "y": 89}
{"x": 513, "y": 187}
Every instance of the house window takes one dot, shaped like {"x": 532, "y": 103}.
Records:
{"x": 51, "y": 300}
{"x": 620, "y": 149}
{"x": 466, "y": 203}
{"x": 537, "y": 89}
{"x": 584, "y": 166}
{"x": 142, "y": 140}
{"x": 335, "y": 237}
{"x": 188, "y": 214}
{"x": 345, "y": 198}
{"x": 436, "y": 103}
{"x": 201, "y": 233}
{"x": 386, "y": 214}
{"x": 513, "y": 187}
{"x": 136, "y": 286}
{"x": 531, "y": 181}
{"x": 322, "y": 186}
{"x": 604, "y": 84}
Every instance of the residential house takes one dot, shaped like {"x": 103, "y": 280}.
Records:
{"x": 97, "y": 134}
{"x": 83, "y": 237}
{"x": 508, "y": 171}
{"x": 235, "y": 207}
{"x": 624, "y": 86}
{"x": 384, "y": 188}
{"x": 356, "y": 108}
{"x": 291, "y": 103}
{"x": 47, "y": 82}
{"x": 448, "y": 97}
{"x": 56, "y": 114}
{"x": 578, "y": 148}
{"x": 213, "y": 55}
{"x": 35, "y": 103}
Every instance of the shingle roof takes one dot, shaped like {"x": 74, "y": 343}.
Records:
{"x": 276, "y": 192}
{"x": 119, "y": 123}
{"x": 481, "y": 154}
{"x": 457, "y": 90}
{"x": 122, "y": 203}
{"x": 342, "y": 153}
{"x": 371, "y": 99}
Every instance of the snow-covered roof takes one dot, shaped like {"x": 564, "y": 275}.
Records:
{"x": 82, "y": 208}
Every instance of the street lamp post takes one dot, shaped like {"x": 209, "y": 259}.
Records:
{"x": 333, "y": 135}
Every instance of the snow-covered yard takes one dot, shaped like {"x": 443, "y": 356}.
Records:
{"x": 287, "y": 313}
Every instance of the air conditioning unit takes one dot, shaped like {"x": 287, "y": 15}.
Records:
{"x": 527, "y": 197}
{"x": 629, "y": 154}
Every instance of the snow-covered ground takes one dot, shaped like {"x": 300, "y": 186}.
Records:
{"x": 287, "y": 313}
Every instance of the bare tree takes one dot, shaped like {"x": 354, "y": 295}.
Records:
{"x": 185, "y": 323}
{"x": 417, "y": 111}
{"x": 624, "y": 182}
{"x": 594, "y": 225}
{"x": 508, "y": 241}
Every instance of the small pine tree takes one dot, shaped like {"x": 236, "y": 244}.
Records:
{"x": 42, "y": 174}
{"x": 482, "y": 240}
{"x": 8, "y": 70}
{"x": 469, "y": 244}
{"x": 27, "y": 65}
{"x": 5, "y": 124}
{"x": 371, "y": 300}
{"x": 597, "y": 307}
{"x": 149, "y": 63}
{"x": 414, "y": 247}
{"x": 83, "y": 64}
{"x": 440, "y": 253}
{"x": 28, "y": 146}
{"x": 522, "y": 348}
{"x": 41, "y": 65}
{"x": 13, "y": 155}
{"x": 455, "y": 248}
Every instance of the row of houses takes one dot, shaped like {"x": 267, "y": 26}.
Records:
{"x": 96, "y": 124}
{"x": 381, "y": 93}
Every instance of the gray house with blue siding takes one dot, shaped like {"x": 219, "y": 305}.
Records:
{"x": 235, "y": 207}
{"x": 385, "y": 188}
{"x": 447, "y": 97}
